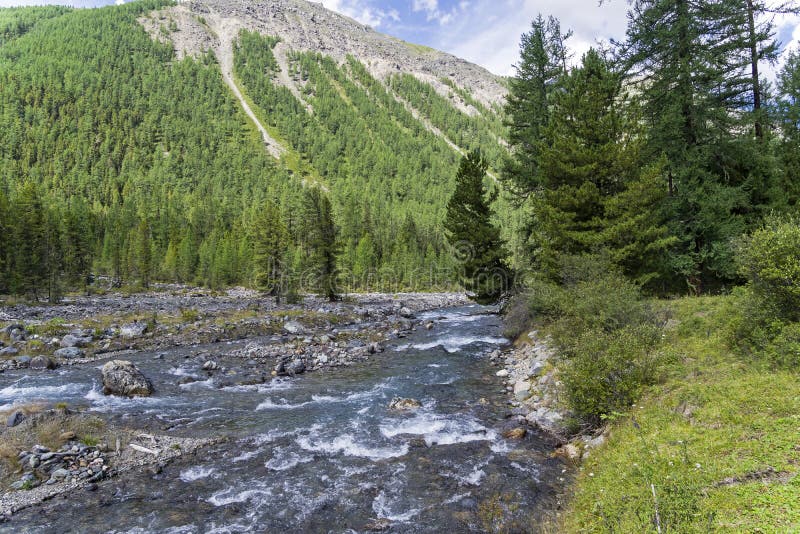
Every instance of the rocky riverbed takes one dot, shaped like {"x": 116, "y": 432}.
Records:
{"x": 381, "y": 412}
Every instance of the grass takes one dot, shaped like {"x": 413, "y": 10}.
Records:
{"x": 716, "y": 448}
{"x": 47, "y": 428}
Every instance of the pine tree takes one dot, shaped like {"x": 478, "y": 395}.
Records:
{"x": 29, "y": 241}
{"x": 143, "y": 253}
{"x": 270, "y": 239}
{"x": 320, "y": 238}
{"x": 789, "y": 107}
{"x": 543, "y": 61}
{"x": 692, "y": 62}
{"x": 5, "y": 241}
{"x": 475, "y": 239}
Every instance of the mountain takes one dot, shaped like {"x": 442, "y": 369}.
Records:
{"x": 165, "y": 127}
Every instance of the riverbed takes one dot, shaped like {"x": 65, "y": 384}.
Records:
{"x": 321, "y": 452}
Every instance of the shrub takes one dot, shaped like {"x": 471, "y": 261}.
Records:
{"x": 768, "y": 323}
{"x": 770, "y": 259}
{"x": 605, "y": 372}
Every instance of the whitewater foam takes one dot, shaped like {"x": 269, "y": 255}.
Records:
{"x": 347, "y": 445}
{"x": 197, "y": 472}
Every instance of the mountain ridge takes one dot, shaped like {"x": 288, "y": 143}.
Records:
{"x": 202, "y": 25}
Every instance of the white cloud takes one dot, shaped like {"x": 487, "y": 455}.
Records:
{"x": 434, "y": 13}
{"x": 362, "y": 11}
{"x": 119, "y": 2}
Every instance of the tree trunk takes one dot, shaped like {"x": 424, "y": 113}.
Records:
{"x": 759, "y": 131}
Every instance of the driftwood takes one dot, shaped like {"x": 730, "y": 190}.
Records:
{"x": 143, "y": 449}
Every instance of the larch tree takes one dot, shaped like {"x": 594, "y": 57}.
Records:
{"x": 474, "y": 237}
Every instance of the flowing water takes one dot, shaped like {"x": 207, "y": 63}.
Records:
{"x": 321, "y": 452}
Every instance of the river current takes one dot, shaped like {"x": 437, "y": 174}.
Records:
{"x": 318, "y": 453}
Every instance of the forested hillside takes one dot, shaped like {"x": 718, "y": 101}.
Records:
{"x": 119, "y": 158}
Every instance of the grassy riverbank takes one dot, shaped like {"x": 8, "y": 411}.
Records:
{"x": 715, "y": 447}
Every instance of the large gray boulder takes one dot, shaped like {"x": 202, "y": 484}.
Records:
{"x": 122, "y": 378}
{"x": 68, "y": 353}
{"x": 132, "y": 330}
{"x": 71, "y": 340}
{"x": 42, "y": 362}
{"x": 293, "y": 327}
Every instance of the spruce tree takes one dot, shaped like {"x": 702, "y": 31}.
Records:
{"x": 320, "y": 239}
{"x": 543, "y": 61}
{"x": 270, "y": 239}
{"x": 30, "y": 244}
{"x": 478, "y": 247}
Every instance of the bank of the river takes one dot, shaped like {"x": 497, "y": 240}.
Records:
{"x": 716, "y": 448}
{"x": 310, "y": 451}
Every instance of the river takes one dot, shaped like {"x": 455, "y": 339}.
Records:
{"x": 321, "y": 452}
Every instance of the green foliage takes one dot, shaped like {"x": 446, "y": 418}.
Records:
{"x": 475, "y": 239}
{"x": 716, "y": 443}
{"x": 270, "y": 239}
{"x": 320, "y": 244}
{"x": 606, "y": 336}
{"x": 605, "y": 372}
{"x": 769, "y": 322}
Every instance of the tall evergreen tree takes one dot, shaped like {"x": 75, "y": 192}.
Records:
{"x": 320, "y": 239}
{"x": 29, "y": 275}
{"x": 692, "y": 62}
{"x": 472, "y": 234}
{"x": 270, "y": 239}
{"x": 789, "y": 113}
{"x": 543, "y": 61}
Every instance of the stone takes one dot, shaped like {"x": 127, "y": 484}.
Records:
{"x": 399, "y": 403}
{"x": 210, "y": 365}
{"x": 59, "y": 474}
{"x": 41, "y": 363}
{"x": 132, "y": 330}
{"x": 374, "y": 348}
{"x": 23, "y": 361}
{"x": 14, "y": 326}
{"x": 502, "y": 373}
{"x": 522, "y": 390}
{"x": 15, "y": 419}
{"x": 68, "y": 353}
{"x": 515, "y": 433}
{"x": 295, "y": 367}
{"x": 406, "y": 313}
{"x": 294, "y": 328}
{"x": 71, "y": 340}
{"x": 536, "y": 369}
{"x": 122, "y": 378}
{"x": 17, "y": 335}
{"x": 67, "y": 436}
{"x": 378, "y": 525}
{"x": 429, "y": 325}
{"x": 34, "y": 462}
{"x": 570, "y": 451}
{"x": 9, "y": 351}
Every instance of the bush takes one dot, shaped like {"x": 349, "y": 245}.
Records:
{"x": 770, "y": 259}
{"x": 604, "y": 372}
{"x": 604, "y": 333}
{"x": 768, "y": 325}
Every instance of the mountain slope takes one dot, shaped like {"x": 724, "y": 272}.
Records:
{"x": 153, "y": 119}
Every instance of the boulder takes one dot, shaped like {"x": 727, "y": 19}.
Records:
{"x": 295, "y": 367}
{"x": 9, "y": 351}
{"x": 522, "y": 390}
{"x": 23, "y": 361}
{"x": 374, "y": 348}
{"x": 14, "y": 419}
{"x": 71, "y": 340}
{"x": 42, "y": 362}
{"x": 210, "y": 365}
{"x": 502, "y": 373}
{"x": 406, "y": 313}
{"x": 68, "y": 353}
{"x": 515, "y": 433}
{"x": 17, "y": 335}
{"x": 404, "y": 404}
{"x": 132, "y": 330}
{"x": 293, "y": 327}
{"x": 15, "y": 326}
{"x": 122, "y": 378}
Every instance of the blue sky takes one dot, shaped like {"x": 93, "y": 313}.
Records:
{"x": 483, "y": 31}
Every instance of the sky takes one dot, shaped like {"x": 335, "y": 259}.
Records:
{"x": 486, "y": 32}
